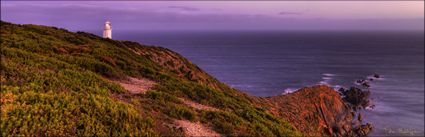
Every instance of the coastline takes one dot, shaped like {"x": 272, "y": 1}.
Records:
{"x": 99, "y": 88}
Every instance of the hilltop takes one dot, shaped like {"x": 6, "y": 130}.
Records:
{"x": 61, "y": 83}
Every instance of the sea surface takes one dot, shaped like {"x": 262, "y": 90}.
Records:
{"x": 268, "y": 63}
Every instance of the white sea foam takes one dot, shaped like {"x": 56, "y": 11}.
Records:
{"x": 356, "y": 83}
{"x": 329, "y": 74}
{"x": 372, "y": 77}
{"x": 337, "y": 87}
{"x": 324, "y": 83}
{"x": 289, "y": 90}
{"x": 326, "y": 78}
{"x": 370, "y": 107}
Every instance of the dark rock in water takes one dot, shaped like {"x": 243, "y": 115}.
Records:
{"x": 376, "y": 76}
{"x": 356, "y": 97}
{"x": 372, "y": 106}
{"x": 366, "y": 84}
{"x": 359, "y": 117}
{"x": 363, "y": 130}
{"x": 341, "y": 90}
{"x": 360, "y": 81}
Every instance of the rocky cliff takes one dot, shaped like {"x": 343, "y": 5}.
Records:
{"x": 318, "y": 111}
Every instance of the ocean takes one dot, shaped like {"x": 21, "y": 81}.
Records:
{"x": 269, "y": 63}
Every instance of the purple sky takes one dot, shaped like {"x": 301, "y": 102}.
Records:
{"x": 219, "y": 15}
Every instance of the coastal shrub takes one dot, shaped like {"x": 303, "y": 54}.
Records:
{"x": 225, "y": 122}
{"x": 181, "y": 112}
{"x": 67, "y": 114}
{"x": 162, "y": 97}
{"x": 93, "y": 65}
{"x": 75, "y": 40}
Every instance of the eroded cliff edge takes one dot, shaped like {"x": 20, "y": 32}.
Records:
{"x": 317, "y": 111}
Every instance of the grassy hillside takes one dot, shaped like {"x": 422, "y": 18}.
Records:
{"x": 56, "y": 82}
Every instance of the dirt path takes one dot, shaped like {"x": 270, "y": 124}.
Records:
{"x": 136, "y": 85}
{"x": 197, "y": 105}
{"x": 196, "y": 129}
{"x": 140, "y": 86}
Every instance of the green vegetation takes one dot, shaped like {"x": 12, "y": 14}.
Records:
{"x": 56, "y": 82}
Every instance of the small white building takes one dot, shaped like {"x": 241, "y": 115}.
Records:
{"x": 107, "y": 31}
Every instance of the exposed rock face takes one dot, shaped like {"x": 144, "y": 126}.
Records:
{"x": 317, "y": 111}
{"x": 356, "y": 97}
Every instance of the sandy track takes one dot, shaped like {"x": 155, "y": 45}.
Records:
{"x": 136, "y": 85}
{"x": 197, "y": 105}
{"x": 196, "y": 129}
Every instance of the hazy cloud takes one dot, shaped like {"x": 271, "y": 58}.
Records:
{"x": 91, "y": 17}
{"x": 184, "y": 8}
{"x": 289, "y": 13}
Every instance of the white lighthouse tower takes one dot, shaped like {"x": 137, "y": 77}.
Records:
{"x": 107, "y": 31}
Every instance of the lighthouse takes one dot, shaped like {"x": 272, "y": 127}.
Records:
{"x": 107, "y": 31}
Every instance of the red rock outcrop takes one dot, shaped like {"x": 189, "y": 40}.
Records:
{"x": 315, "y": 111}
